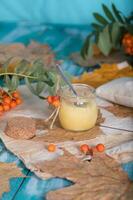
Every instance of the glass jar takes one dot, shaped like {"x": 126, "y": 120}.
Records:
{"x": 78, "y": 113}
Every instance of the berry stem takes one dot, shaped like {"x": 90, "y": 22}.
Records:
{"x": 53, "y": 121}
{"x": 52, "y": 114}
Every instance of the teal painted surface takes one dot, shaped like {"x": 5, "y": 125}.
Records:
{"x": 36, "y": 189}
{"x": 128, "y": 168}
{"x": 56, "y": 11}
{"x": 15, "y": 184}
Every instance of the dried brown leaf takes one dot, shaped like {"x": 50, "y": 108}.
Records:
{"x": 7, "y": 171}
{"x": 100, "y": 179}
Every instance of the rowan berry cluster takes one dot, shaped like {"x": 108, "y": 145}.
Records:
{"x": 127, "y": 42}
{"x": 8, "y": 100}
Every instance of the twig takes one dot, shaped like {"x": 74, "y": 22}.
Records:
{"x": 46, "y": 120}
{"x": 15, "y": 74}
{"x": 56, "y": 114}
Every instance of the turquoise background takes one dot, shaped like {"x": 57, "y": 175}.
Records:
{"x": 57, "y": 11}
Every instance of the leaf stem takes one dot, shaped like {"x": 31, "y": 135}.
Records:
{"x": 15, "y": 74}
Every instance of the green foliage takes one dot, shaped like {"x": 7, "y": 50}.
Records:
{"x": 107, "y": 31}
{"x": 100, "y": 19}
{"x": 87, "y": 47}
{"x": 36, "y": 76}
{"x": 104, "y": 42}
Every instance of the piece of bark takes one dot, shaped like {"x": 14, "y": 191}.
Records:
{"x": 21, "y": 128}
{"x": 100, "y": 179}
{"x": 8, "y": 171}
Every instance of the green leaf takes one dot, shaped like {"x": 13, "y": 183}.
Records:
{"x": 39, "y": 87}
{"x": 22, "y": 67}
{"x": 85, "y": 47}
{"x": 45, "y": 77}
{"x": 36, "y": 68}
{"x": 31, "y": 70}
{"x": 97, "y": 27}
{"x": 30, "y": 86}
{"x": 8, "y": 82}
{"x": 117, "y": 14}
{"x": 84, "y": 50}
{"x": 115, "y": 34}
{"x": 96, "y": 36}
{"x": 90, "y": 50}
{"x": 100, "y": 19}
{"x": 53, "y": 76}
{"x": 129, "y": 28}
{"x": 14, "y": 83}
{"x": 51, "y": 90}
{"x": 39, "y": 66}
{"x": 104, "y": 42}
{"x": 108, "y": 13}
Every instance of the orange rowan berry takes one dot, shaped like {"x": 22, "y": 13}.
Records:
{"x": 49, "y": 99}
{"x": 18, "y": 101}
{"x": 100, "y": 147}
{"x": 51, "y": 147}
{"x": 129, "y": 42}
{"x": 127, "y": 35}
{"x": 13, "y": 104}
{"x": 1, "y": 108}
{"x": 6, "y": 107}
{"x": 56, "y": 98}
{"x": 84, "y": 148}
{"x": 56, "y": 103}
{"x": 7, "y": 100}
{"x": 16, "y": 94}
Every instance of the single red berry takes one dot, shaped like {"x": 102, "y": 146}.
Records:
{"x": 84, "y": 148}
{"x": 50, "y": 99}
{"x": 51, "y": 147}
{"x": 100, "y": 147}
{"x": 56, "y": 103}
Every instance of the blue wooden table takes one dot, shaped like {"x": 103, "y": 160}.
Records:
{"x": 63, "y": 41}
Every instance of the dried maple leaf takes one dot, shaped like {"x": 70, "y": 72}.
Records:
{"x": 100, "y": 179}
{"x": 106, "y": 73}
{"x": 30, "y": 53}
{"x": 7, "y": 171}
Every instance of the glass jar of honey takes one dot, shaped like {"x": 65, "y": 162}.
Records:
{"x": 78, "y": 113}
